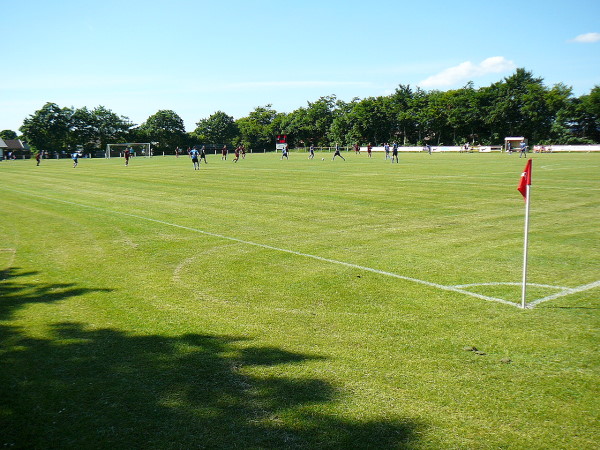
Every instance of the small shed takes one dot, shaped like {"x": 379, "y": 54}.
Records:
{"x": 513, "y": 143}
{"x": 16, "y": 148}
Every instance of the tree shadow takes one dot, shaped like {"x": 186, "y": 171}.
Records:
{"x": 104, "y": 388}
{"x": 15, "y": 292}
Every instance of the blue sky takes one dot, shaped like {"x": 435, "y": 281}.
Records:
{"x": 197, "y": 57}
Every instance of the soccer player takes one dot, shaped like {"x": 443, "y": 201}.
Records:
{"x": 38, "y": 157}
{"x": 337, "y": 153}
{"x": 387, "y": 150}
{"x": 312, "y": 152}
{"x": 284, "y": 152}
{"x": 523, "y": 150}
{"x": 237, "y": 154}
{"x": 356, "y": 148}
{"x": 74, "y": 157}
{"x": 203, "y": 154}
{"x": 369, "y": 148}
{"x": 224, "y": 153}
{"x": 395, "y": 153}
{"x": 127, "y": 155}
{"x": 243, "y": 150}
{"x": 194, "y": 153}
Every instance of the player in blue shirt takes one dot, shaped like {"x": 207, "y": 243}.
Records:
{"x": 194, "y": 153}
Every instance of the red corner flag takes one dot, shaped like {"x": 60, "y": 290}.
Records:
{"x": 525, "y": 180}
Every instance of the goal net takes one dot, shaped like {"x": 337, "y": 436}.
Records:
{"x": 136, "y": 148}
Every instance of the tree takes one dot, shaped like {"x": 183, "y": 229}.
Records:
{"x": 589, "y": 115}
{"x": 518, "y": 107}
{"x": 256, "y": 130}
{"x": 166, "y": 128}
{"x": 48, "y": 128}
{"x": 219, "y": 128}
{"x": 312, "y": 124}
{"x": 8, "y": 134}
{"x": 82, "y": 130}
{"x": 341, "y": 129}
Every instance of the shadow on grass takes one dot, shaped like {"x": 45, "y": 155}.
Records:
{"x": 15, "y": 292}
{"x": 90, "y": 388}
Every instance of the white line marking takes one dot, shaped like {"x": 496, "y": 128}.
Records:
{"x": 499, "y": 283}
{"x": 567, "y": 291}
{"x": 456, "y": 289}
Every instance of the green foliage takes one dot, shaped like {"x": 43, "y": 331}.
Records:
{"x": 62, "y": 129}
{"x": 48, "y": 128}
{"x": 258, "y": 128}
{"x": 8, "y": 134}
{"x": 219, "y": 128}
{"x": 165, "y": 128}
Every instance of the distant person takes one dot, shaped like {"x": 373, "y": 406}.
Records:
{"x": 243, "y": 151}
{"x": 429, "y": 149}
{"x": 75, "y": 157}
{"x": 395, "y": 153}
{"x": 337, "y": 153}
{"x": 356, "y": 149}
{"x": 369, "y": 149}
{"x": 237, "y": 154}
{"x": 203, "y": 154}
{"x": 224, "y": 153}
{"x": 38, "y": 157}
{"x": 127, "y": 155}
{"x": 311, "y": 154}
{"x": 177, "y": 151}
{"x": 284, "y": 152}
{"x": 386, "y": 147}
{"x": 523, "y": 151}
{"x": 194, "y": 154}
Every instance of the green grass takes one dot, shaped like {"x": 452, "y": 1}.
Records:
{"x": 136, "y": 311}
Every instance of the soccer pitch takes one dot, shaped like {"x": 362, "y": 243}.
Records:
{"x": 299, "y": 303}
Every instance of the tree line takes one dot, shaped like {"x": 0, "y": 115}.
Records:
{"x": 518, "y": 105}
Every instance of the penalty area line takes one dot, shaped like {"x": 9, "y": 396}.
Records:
{"x": 278, "y": 249}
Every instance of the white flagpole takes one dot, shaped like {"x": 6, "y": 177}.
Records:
{"x": 524, "y": 288}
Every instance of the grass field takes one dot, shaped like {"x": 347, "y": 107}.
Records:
{"x": 299, "y": 304}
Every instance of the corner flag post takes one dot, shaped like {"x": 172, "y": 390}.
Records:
{"x": 525, "y": 189}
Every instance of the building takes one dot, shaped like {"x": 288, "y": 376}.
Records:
{"x": 16, "y": 148}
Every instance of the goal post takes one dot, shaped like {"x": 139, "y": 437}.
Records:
{"x": 137, "y": 149}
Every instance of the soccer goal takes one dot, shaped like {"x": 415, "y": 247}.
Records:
{"x": 136, "y": 148}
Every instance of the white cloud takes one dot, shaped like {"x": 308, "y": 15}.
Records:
{"x": 467, "y": 71}
{"x": 587, "y": 38}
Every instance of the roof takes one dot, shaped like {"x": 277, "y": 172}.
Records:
{"x": 2, "y": 144}
{"x": 15, "y": 144}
